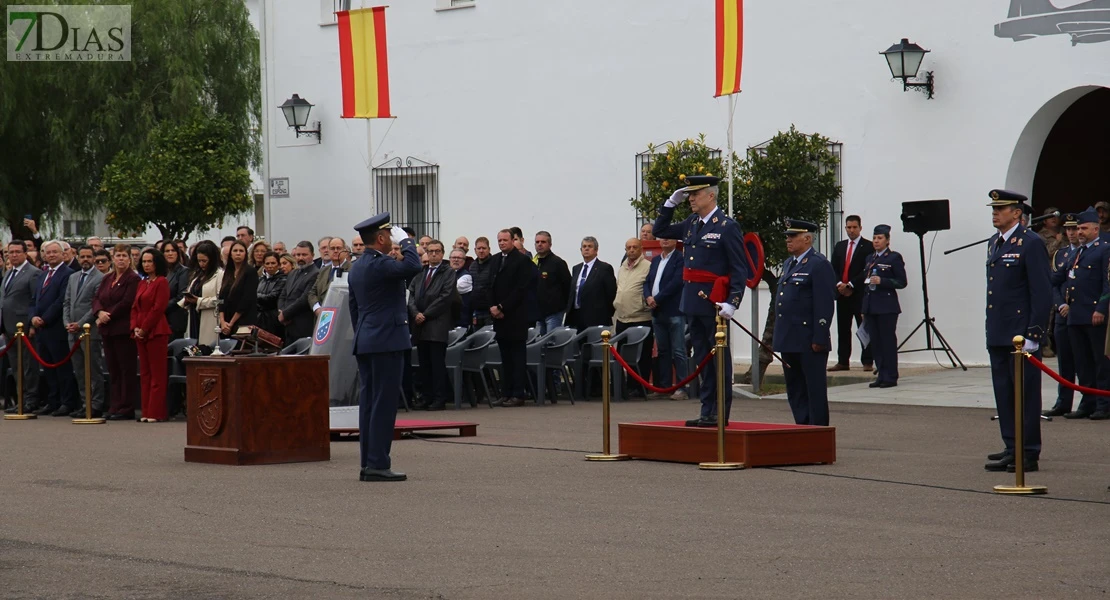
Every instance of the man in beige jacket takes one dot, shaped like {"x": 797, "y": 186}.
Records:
{"x": 631, "y": 310}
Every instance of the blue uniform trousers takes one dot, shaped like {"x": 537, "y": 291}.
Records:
{"x": 1091, "y": 365}
{"x": 807, "y": 388}
{"x": 884, "y": 345}
{"x": 1002, "y": 374}
{"x": 1065, "y": 358}
{"x": 380, "y": 374}
{"x": 702, "y": 330}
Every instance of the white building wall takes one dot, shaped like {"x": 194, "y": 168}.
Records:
{"x": 535, "y": 110}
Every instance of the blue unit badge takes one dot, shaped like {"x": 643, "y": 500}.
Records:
{"x": 324, "y": 326}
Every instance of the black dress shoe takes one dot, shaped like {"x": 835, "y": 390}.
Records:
{"x": 500, "y": 401}
{"x": 63, "y": 411}
{"x": 435, "y": 407}
{"x": 46, "y": 410}
{"x": 874, "y": 384}
{"x": 78, "y": 413}
{"x": 999, "y": 455}
{"x": 121, "y": 416}
{"x": 1075, "y": 414}
{"x": 696, "y": 422}
{"x": 1055, "y": 412}
{"x": 420, "y": 406}
{"x": 1029, "y": 466}
{"x": 1099, "y": 415}
{"x": 888, "y": 384}
{"x": 381, "y": 475}
{"x": 513, "y": 402}
{"x": 1001, "y": 464}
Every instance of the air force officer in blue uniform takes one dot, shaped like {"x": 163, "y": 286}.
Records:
{"x": 804, "y": 307}
{"x": 382, "y": 342}
{"x": 714, "y": 263}
{"x": 1062, "y": 263}
{"x": 1086, "y": 291}
{"x": 1019, "y": 296}
{"x": 885, "y": 275}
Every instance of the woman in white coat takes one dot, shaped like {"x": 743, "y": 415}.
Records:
{"x": 200, "y": 299}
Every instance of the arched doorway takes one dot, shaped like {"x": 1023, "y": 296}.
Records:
{"x": 1062, "y": 156}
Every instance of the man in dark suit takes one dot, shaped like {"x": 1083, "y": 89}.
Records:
{"x": 1019, "y": 296}
{"x": 805, "y": 310}
{"x": 382, "y": 342}
{"x": 514, "y": 280}
{"x": 293, "y": 309}
{"x": 17, "y": 296}
{"x": 848, "y": 264}
{"x": 662, "y": 291}
{"x": 48, "y": 331}
{"x": 431, "y": 297}
{"x": 592, "y": 291}
{"x": 715, "y": 265}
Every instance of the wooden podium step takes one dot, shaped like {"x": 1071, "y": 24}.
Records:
{"x": 754, "y": 444}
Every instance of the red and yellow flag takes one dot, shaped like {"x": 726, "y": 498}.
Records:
{"x": 362, "y": 63}
{"x": 730, "y": 46}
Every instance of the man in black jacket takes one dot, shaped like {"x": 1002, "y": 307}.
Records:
{"x": 481, "y": 276}
{"x": 293, "y": 309}
{"x": 553, "y": 286}
{"x": 848, "y": 261}
{"x": 592, "y": 290}
{"x": 432, "y": 295}
{"x": 514, "y": 277}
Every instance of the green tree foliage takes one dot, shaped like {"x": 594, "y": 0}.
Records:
{"x": 189, "y": 176}
{"x": 61, "y": 123}
{"x": 667, "y": 171}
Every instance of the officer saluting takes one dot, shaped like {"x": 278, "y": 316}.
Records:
{"x": 1061, "y": 264}
{"x": 804, "y": 311}
{"x": 1018, "y": 300}
{"x": 382, "y": 342}
{"x": 715, "y": 263}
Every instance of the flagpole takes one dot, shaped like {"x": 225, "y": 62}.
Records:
{"x": 370, "y": 168}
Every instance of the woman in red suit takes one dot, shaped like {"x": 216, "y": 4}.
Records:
{"x": 151, "y": 331}
{"x": 112, "y": 307}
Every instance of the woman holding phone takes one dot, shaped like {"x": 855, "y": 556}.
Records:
{"x": 201, "y": 297}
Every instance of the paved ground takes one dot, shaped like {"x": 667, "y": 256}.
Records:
{"x": 112, "y": 511}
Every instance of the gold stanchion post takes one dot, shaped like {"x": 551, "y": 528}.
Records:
{"x": 606, "y": 378}
{"x": 86, "y": 335}
{"x": 1019, "y": 486}
{"x": 18, "y": 341}
{"x": 724, "y": 385}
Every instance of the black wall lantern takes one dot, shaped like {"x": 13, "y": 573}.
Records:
{"x": 904, "y": 59}
{"x": 296, "y": 111}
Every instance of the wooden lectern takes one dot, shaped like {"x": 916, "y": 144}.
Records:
{"x": 256, "y": 410}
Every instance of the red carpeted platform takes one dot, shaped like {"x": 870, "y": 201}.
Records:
{"x": 754, "y": 444}
{"x": 403, "y": 426}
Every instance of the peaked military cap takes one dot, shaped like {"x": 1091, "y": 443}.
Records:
{"x": 882, "y": 230}
{"x": 699, "y": 182}
{"x": 1006, "y": 198}
{"x": 1071, "y": 220}
{"x": 370, "y": 226}
{"x": 798, "y": 226}
{"x": 1088, "y": 216}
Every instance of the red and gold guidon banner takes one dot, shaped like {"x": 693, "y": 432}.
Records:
{"x": 362, "y": 63}
{"x": 730, "y": 45}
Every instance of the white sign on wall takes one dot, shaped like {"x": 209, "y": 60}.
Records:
{"x": 279, "y": 187}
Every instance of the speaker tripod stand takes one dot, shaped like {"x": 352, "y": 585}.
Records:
{"x": 929, "y": 323}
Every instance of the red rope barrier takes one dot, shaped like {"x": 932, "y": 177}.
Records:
{"x": 658, "y": 390}
{"x": 46, "y": 365}
{"x": 1053, "y": 374}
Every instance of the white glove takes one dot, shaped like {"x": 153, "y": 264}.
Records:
{"x": 1030, "y": 346}
{"x": 678, "y": 197}
{"x": 727, "y": 309}
{"x": 397, "y": 234}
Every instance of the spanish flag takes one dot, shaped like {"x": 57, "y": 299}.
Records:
{"x": 362, "y": 63}
{"x": 730, "y": 45}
